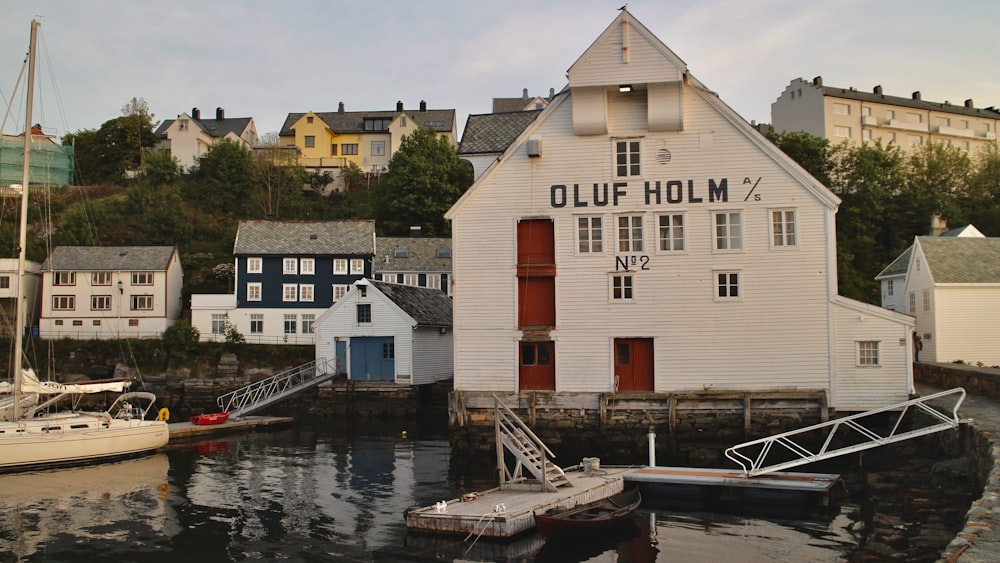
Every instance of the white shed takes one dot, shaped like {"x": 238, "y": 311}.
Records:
{"x": 389, "y": 332}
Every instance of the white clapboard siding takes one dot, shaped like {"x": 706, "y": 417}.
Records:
{"x": 864, "y": 387}
{"x": 432, "y": 356}
{"x": 966, "y": 325}
{"x": 781, "y": 334}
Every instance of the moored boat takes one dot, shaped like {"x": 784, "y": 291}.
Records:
{"x": 601, "y": 514}
{"x": 210, "y": 418}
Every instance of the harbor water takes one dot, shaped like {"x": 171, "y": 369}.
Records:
{"x": 332, "y": 492}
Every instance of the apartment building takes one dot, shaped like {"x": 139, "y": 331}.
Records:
{"x": 856, "y": 117}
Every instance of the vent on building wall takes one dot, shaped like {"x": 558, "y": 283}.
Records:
{"x": 534, "y": 147}
{"x": 663, "y": 156}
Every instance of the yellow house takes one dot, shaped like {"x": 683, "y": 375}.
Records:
{"x": 366, "y": 138}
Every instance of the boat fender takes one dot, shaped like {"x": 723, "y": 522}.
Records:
{"x": 163, "y": 414}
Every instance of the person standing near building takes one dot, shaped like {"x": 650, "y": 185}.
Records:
{"x": 918, "y": 345}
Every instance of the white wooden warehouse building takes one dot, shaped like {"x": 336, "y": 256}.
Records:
{"x": 639, "y": 235}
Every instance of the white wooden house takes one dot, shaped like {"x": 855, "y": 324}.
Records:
{"x": 106, "y": 292}
{"x": 639, "y": 235}
{"x": 388, "y": 332}
{"x": 951, "y": 286}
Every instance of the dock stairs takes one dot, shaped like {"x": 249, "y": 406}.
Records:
{"x": 528, "y": 451}
{"x": 277, "y": 388}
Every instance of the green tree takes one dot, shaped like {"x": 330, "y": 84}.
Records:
{"x": 425, "y": 178}
{"x": 982, "y": 199}
{"x": 809, "y": 151}
{"x": 180, "y": 341}
{"x": 278, "y": 187}
{"x": 108, "y": 154}
{"x": 224, "y": 180}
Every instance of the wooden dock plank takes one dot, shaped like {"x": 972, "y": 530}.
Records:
{"x": 705, "y": 476}
{"x": 506, "y": 513}
{"x": 186, "y": 430}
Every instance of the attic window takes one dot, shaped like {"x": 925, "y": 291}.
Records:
{"x": 401, "y": 253}
{"x": 444, "y": 253}
{"x": 309, "y": 119}
{"x": 377, "y": 124}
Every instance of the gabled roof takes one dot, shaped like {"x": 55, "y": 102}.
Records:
{"x": 421, "y": 254}
{"x": 212, "y": 127}
{"x": 440, "y": 120}
{"x": 954, "y": 260}
{"x": 315, "y": 238}
{"x": 493, "y": 132}
{"x": 114, "y": 258}
{"x": 428, "y": 307}
{"x": 966, "y": 231}
{"x": 898, "y": 267}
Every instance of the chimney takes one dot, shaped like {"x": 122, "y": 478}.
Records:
{"x": 938, "y": 224}
{"x": 524, "y": 94}
{"x": 196, "y": 114}
{"x": 220, "y": 114}
{"x": 423, "y": 105}
{"x": 878, "y": 90}
{"x": 552, "y": 93}
{"x": 340, "y": 108}
{"x": 968, "y": 103}
{"x": 399, "y": 107}
{"x": 818, "y": 81}
{"x": 916, "y": 95}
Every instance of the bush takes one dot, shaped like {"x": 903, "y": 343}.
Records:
{"x": 180, "y": 341}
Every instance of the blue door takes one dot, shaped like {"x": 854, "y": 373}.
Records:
{"x": 373, "y": 358}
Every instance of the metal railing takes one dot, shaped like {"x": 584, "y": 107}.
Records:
{"x": 852, "y": 433}
{"x": 528, "y": 450}
{"x": 276, "y": 388}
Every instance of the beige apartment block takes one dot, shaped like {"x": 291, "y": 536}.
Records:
{"x": 847, "y": 114}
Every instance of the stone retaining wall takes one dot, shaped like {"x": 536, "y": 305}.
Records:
{"x": 978, "y": 541}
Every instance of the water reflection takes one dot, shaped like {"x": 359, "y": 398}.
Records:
{"x": 321, "y": 493}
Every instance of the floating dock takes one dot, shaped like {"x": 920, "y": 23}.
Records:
{"x": 187, "y": 431}
{"x": 506, "y": 513}
{"x": 779, "y": 480}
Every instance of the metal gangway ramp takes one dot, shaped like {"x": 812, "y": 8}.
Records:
{"x": 276, "y": 388}
{"x": 913, "y": 418}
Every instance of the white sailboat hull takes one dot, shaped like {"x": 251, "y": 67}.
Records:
{"x": 76, "y": 438}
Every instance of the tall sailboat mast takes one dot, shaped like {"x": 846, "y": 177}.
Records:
{"x": 18, "y": 360}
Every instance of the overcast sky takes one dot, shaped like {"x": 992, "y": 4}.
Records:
{"x": 265, "y": 58}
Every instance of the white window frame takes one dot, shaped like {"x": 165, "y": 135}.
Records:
{"x": 254, "y": 291}
{"x": 289, "y": 292}
{"x": 308, "y": 323}
{"x": 590, "y": 234}
{"x": 290, "y": 324}
{"x": 926, "y": 298}
{"x": 340, "y": 266}
{"x": 219, "y": 323}
{"x": 627, "y": 158}
{"x": 868, "y": 355}
{"x": 411, "y": 279}
{"x": 142, "y": 278}
{"x": 724, "y": 281}
{"x": 307, "y": 266}
{"x": 784, "y": 228}
{"x": 358, "y": 266}
{"x": 306, "y": 292}
{"x": 100, "y": 278}
{"x": 378, "y": 148}
{"x": 621, "y": 287}
{"x": 841, "y": 109}
{"x": 255, "y": 265}
{"x": 339, "y": 291}
{"x": 64, "y": 278}
{"x": 889, "y": 290}
{"x": 723, "y": 239}
{"x": 670, "y": 232}
{"x": 289, "y": 266}
{"x": 631, "y": 226}
{"x": 256, "y": 323}
{"x": 913, "y": 302}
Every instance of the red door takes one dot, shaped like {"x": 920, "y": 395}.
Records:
{"x": 633, "y": 364}
{"x": 537, "y": 366}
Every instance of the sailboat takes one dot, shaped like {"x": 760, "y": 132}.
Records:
{"x": 30, "y": 437}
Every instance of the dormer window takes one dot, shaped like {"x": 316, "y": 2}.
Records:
{"x": 377, "y": 124}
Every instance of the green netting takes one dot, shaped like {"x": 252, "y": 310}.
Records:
{"x": 50, "y": 164}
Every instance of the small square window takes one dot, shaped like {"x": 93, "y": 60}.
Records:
{"x": 339, "y": 265}
{"x": 627, "y": 158}
{"x": 622, "y": 287}
{"x": 590, "y": 235}
{"x": 364, "y": 313}
{"x": 728, "y": 230}
{"x": 868, "y": 353}
{"x": 253, "y": 291}
{"x": 290, "y": 266}
{"x": 671, "y": 232}
{"x": 783, "y": 232}
{"x": 254, "y": 265}
{"x": 357, "y": 266}
{"x": 289, "y": 292}
{"x": 727, "y": 286}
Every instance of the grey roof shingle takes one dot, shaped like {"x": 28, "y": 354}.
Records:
{"x": 962, "y": 259}
{"x": 429, "y": 307}
{"x": 421, "y": 254}
{"x": 214, "y": 127}
{"x": 494, "y": 132}
{"x": 112, "y": 258}
{"x": 315, "y": 238}
{"x": 440, "y": 120}
{"x": 898, "y": 266}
